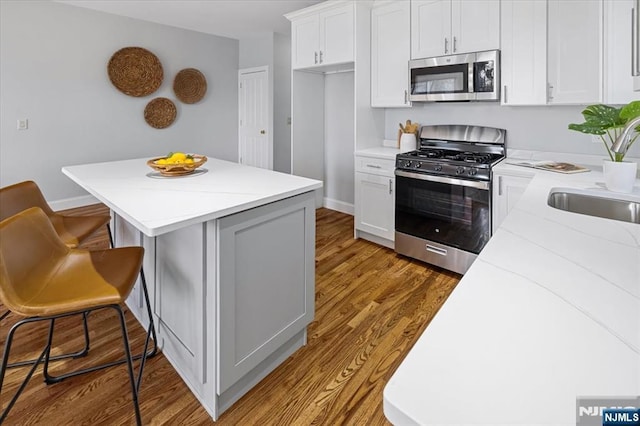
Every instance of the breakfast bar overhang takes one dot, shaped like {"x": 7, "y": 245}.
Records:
{"x": 229, "y": 261}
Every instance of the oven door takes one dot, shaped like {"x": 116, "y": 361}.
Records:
{"x": 452, "y": 212}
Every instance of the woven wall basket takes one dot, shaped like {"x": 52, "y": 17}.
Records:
{"x": 135, "y": 71}
{"x": 190, "y": 85}
{"x": 160, "y": 113}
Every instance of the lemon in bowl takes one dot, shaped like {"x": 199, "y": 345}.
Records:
{"x": 177, "y": 163}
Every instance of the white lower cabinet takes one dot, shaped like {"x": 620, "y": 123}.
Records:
{"x": 507, "y": 190}
{"x": 375, "y": 200}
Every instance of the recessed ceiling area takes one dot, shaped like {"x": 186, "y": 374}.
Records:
{"x": 228, "y": 18}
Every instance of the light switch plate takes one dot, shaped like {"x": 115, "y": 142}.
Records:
{"x": 23, "y": 124}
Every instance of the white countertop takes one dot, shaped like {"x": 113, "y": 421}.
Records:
{"x": 548, "y": 312}
{"x": 384, "y": 152}
{"x": 156, "y": 205}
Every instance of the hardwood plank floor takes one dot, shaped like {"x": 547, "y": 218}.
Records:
{"x": 371, "y": 306}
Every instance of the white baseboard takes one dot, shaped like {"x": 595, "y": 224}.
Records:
{"x": 73, "y": 202}
{"x": 339, "y": 206}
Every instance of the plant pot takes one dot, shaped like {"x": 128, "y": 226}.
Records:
{"x": 619, "y": 176}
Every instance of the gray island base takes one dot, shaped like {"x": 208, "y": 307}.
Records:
{"x": 231, "y": 295}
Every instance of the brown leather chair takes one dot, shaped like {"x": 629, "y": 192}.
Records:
{"x": 41, "y": 279}
{"x": 71, "y": 229}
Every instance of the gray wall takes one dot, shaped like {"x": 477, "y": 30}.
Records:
{"x": 282, "y": 103}
{"x": 339, "y": 131}
{"x": 256, "y": 52}
{"x": 536, "y": 128}
{"x": 274, "y": 51}
{"x": 53, "y": 71}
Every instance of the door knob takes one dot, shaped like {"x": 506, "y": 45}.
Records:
{"x": 262, "y": 132}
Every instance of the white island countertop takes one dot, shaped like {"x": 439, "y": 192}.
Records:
{"x": 549, "y": 311}
{"x": 219, "y": 188}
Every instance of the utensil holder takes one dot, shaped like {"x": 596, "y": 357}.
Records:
{"x": 407, "y": 142}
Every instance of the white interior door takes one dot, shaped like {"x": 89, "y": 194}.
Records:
{"x": 255, "y": 141}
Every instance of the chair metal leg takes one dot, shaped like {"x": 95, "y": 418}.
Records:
{"x": 81, "y": 353}
{"x": 127, "y": 350}
{"x": 151, "y": 330}
{"x": 110, "y": 236}
{"x": 151, "y": 333}
{"x": 45, "y": 356}
{"x": 5, "y": 359}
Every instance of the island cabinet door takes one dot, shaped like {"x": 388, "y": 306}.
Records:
{"x": 265, "y": 289}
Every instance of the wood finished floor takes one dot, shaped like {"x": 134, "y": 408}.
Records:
{"x": 371, "y": 306}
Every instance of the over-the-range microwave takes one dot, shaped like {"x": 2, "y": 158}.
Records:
{"x": 466, "y": 77}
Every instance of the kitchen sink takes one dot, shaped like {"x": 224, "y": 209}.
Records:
{"x": 594, "y": 205}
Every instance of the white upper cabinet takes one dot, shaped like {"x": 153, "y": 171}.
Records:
{"x": 575, "y": 51}
{"x": 475, "y": 25}
{"x": 618, "y": 34}
{"x": 430, "y": 28}
{"x": 322, "y": 36}
{"x": 390, "y": 51}
{"x": 447, "y": 27}
{"x": 305, "y": 41}
{"x": 524, "y": 52}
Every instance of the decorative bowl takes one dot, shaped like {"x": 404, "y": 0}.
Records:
{"x": 177, "y": 169}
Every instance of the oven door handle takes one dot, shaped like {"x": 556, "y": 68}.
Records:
{"x": 445, "y": 179}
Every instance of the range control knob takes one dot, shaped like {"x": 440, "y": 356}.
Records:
{"x": 407, "y": 164}
{"x": 438, "y": 168}
{"x": 418, "y": 165}
{"x": 459, "y": 170}
{"x": 472, "y": 171}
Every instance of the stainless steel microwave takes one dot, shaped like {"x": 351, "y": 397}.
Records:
{"x": 466, "y": 77}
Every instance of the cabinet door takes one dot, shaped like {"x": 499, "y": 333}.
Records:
{"x": 617, "y": 43}
{"x": 524, "y": 52}
{"x": 430, "y": 28}
{"x": 305, "y": 41}
{"x": 475, "y": 25}
{"x": 390, "y": 51}
{"x": 507, "y": 190}
{"x": 266, "y": 276}
{"x": 575, "y": 51}
{"x": 375, "y": 205}
{"x": 337, "y": 35}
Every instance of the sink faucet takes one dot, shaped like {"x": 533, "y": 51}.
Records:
{"x": 623, "y": 141}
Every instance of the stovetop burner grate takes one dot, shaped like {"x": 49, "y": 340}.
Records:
{"x": 467, "y": 152}
{"x": 454, "y": 156}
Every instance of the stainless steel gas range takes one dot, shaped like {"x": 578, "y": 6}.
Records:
{"x": 443, "y": 194}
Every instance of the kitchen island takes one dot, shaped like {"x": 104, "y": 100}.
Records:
{"x": 548, "y": 313}
{"x": 229, "y": 262}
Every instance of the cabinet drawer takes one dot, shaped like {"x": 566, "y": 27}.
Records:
{"x": 378, "y": 166}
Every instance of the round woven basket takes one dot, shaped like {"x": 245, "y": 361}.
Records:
{"x": 177, "y": 169}
{"x": 190, "y": 85}
{"x": 160, "y": 113}
{"x": 135, "y": 71}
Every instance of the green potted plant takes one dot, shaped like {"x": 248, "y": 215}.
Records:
{"x": 608, "y": 122}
